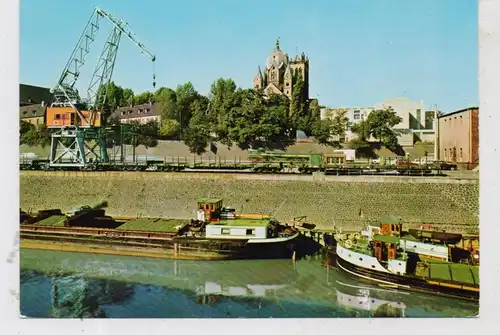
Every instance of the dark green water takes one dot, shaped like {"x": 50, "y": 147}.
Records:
{"x": 60, "y": 284}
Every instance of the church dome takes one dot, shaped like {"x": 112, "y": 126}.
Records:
{"x": 276, "y": 57}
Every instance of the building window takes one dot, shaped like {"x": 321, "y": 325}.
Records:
{"x": 461, "y": 153}
{"x": 429, "y": 120}
{"x": 146, "y": 110}
{"x": 357, "y": 115}
{"x": 57, "y": 116}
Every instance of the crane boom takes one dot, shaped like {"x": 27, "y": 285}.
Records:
{"x": 99, "y": 84}
{"x": 75, "y": 143}
{"x": 125, "y": 28}
{"x": 65, "y": 92}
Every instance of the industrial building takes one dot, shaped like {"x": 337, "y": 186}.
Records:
{"x": 458, "y": 134}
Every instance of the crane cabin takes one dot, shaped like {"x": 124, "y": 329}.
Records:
{"x": 66, "y": 116}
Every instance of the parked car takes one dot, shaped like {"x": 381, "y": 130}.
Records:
{"x": 445, "y": 165}
{"x": 404, "y": 163}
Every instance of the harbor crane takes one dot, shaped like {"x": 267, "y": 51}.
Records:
{"x": 77, "y": 119}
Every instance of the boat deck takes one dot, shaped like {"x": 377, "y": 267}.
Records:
{"x": 153, "y": 224}
{"x": 450, "y": 272}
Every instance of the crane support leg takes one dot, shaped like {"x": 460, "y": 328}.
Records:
{"x": 76, "y": 147}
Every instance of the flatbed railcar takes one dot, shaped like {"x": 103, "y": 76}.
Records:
{"x": 330, "y": 164}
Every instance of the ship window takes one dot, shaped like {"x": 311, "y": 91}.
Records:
{"x": 57, "y": 116}
{"x": 349, "y": 255}
{"x": 250, "y": 231}
{"x": 373, "y": 266}
{"x": 361, "y": 259}
{"x": 225, "y": 231}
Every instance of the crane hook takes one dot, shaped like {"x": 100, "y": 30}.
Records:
{"x": 154, "y": 75}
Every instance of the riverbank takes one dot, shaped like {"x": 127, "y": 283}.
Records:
{"x": 343, "y": 201}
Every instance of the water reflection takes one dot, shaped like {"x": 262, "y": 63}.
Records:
{"x": 57, "y": 284}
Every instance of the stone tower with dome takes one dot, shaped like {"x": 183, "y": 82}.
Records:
{"x": 281, "y": 73}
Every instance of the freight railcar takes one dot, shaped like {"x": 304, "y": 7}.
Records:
{"x": 258, "y": 162}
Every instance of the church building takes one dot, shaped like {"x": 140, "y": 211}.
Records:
{"x": 281, "y": 73}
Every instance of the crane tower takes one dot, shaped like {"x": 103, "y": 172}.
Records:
{"x": 77, "y": 119}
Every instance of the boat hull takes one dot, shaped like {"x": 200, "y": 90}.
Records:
{"x": 405, "y": 282}
{"x": 177, "y": 247}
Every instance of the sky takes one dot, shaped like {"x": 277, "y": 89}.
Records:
{"x": 361, "y": 51}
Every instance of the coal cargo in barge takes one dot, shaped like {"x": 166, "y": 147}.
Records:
{"x": 217, "y": 233}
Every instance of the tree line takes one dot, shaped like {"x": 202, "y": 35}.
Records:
{"x": 231, "y": 115}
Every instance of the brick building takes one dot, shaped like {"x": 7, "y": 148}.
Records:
{"x": 458, "y": 134}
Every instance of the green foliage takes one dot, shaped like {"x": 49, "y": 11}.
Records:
{"x": 222, "y": 96}
{"x": 331, "y": 131}
{"x": 34, "y": 135}
{"x": 144, "y": 98}
{"x": 197, "y": 135}
{"x": 379, "y": 125}
{"x": 185, "y": 96}
{"x": 145, "y": 134}
{"x": 169, "y": 128}
{"x": 364, "y": 149}
{"x": 128, "y": 97}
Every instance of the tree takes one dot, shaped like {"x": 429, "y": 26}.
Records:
{"x": 331, "y": 131}
{"x": 298, "y": 107}
{"x": 128, "y": 97}
{"x": 222, "y": 100}
{"x": 145, "y": 134}
{"x": 380, "y": 125}
{"x": 185, "y": 94}
{"x": 169, "y": 128}
{"x": 259, "y": 122}
{"x": 32, "y": 135}
{"x": 197, "y": 136}
{"x": 310, "y": 117}
{"x": 144, "y": 98}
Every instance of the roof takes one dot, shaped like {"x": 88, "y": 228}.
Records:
{"x": 276, "y": 58}
{"x": 459, "y": 111}
{"x": 241, "y": 223}
{"x": 143, "y": 110}
{"x": 386, "y": 238}
{"x": 29, "y": 94}
{"x": 208, "y": 200}
{"x": 26, "y": 112}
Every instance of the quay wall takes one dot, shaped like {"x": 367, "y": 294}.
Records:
{"x": 342, "y": 201}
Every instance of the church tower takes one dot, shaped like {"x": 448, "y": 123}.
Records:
{"x": 281, "y": 73}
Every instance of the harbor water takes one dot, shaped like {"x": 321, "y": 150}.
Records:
{"x": 78, "y": 285}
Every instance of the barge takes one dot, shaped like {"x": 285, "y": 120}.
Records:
{"x": 388, "y": 257}
{"x": 218, "y": 232}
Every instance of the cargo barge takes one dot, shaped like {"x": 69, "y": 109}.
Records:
{"x": 218, "y": 232}
{"x": 425, "y": 261}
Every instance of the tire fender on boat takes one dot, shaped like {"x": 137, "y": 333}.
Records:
{"x": 348, "y": 244}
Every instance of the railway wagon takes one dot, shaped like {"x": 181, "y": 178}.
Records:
{"x": 264, "y": 162}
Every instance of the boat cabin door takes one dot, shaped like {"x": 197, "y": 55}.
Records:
{"x": 384, "y": 251}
